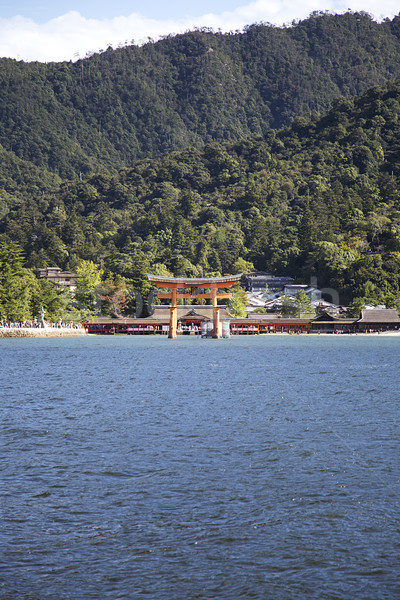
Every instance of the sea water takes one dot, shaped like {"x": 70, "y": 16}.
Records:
{"x": 254, "y": 467}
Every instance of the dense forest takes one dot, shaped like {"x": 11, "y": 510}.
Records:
{"x": 115, "y": 107}
{"x": 318, "y": 198}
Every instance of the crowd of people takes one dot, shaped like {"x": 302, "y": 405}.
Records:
{"x": 37, "y": 324}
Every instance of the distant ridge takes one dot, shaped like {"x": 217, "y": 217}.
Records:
{"x": 188, "y": 90}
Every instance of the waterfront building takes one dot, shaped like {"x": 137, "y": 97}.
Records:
{"x": 378, "y": 320}
{"x": 327, "y": 323}
{"x": 190, "y": 319}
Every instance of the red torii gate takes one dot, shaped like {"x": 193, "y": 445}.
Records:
{"x": 173, "y": 284}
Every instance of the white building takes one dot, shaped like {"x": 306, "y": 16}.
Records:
{"x": 310, "y": 291}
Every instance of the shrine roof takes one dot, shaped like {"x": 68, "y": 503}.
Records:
{"x": 379, "y": 315}
{"x": 162, "y": 311}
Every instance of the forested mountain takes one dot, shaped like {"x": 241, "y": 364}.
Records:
{"x": 115, "y": 107}
{"x": 319, "y": 198}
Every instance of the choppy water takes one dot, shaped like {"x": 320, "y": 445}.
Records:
{"x": 140, "y": 467}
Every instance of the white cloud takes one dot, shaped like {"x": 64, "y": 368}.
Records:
{"x": 72, "y": 35}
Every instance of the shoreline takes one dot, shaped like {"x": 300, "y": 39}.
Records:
{"x": 28, "y": 332}
{"x": 32, "y": 332}
{"x": 356, "y": 333}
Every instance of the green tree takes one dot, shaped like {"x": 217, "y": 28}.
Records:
{"x": 242, "y": 266}
{"x": 16, "y": 284}
{"x": 392, "y": 300}
{"x": 55, "y": 301}
{"x": 292, "y": 306}
{"x": 304, "y": 303}
{"x": 289, "y": 307}
{"x": 237, "y": 303}
{"x": 89, "y": 280}
{"x": 354, "y": 309}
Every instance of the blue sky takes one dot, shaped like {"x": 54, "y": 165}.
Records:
{"x": 42, "y": 11}
{"x": 55, "y": 30}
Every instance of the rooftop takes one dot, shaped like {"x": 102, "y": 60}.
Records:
{"x": 380, "y": 315}
{"x": 162, "y": 311}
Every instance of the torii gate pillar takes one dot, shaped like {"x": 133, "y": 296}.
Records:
{"x": 173, "y": 314}
{"x": 215, "y": 331}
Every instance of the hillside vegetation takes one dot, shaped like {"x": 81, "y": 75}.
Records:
{"x": 319, "y": 198}
{"x": 184, "y": 91}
